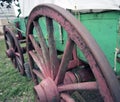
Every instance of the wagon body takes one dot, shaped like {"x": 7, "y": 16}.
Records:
{"x": 104, "y": 27}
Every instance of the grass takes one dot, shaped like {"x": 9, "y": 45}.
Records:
{"x": 13, "y": 86}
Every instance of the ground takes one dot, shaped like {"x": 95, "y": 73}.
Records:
{"x": 13, "y": 86}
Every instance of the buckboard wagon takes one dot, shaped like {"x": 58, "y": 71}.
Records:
{"x": 63, "y": 56}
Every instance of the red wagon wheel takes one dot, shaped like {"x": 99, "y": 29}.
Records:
{"x": 13, "y": 50}
{"x": 57, "y": 81}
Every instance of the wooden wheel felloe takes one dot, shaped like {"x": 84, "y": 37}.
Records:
{"x": 45, "y": 64}
{"x": 13, "y": 50}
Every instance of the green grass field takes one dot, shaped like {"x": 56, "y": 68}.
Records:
{"x": 13, "y": 86}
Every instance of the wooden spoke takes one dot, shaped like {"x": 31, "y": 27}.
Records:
{"x": 9, "y": 44}
{"x": 17, "y": 54}
{"x": 37, "y": 47}
{"x": 39, "y": 64}
{"x": 9, "y": 41}
{"x": 79, "y": 86}
{"x": 43, "y": 47}
{"x": 64, "y": 63}
{"x": 67, "y": 98}
{"x": 52, "y": 49}
{"x": 40, "y": 75}
{"x": 18, "y": 60}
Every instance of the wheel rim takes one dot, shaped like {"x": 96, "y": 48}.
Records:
{"x": 17, "y": 56}
{"x": 77, "y": 35}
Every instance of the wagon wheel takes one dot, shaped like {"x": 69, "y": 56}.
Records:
{"x": 43, "y": 54}
{"x": 13, "y": 50}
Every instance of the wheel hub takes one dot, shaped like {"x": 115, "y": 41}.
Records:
{"x": 47, "y": 91}
{"x": 10, "y": 53}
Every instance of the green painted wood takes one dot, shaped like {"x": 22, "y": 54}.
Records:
{"x": 104, "y": 29}
{"x": 103, "y": 26}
